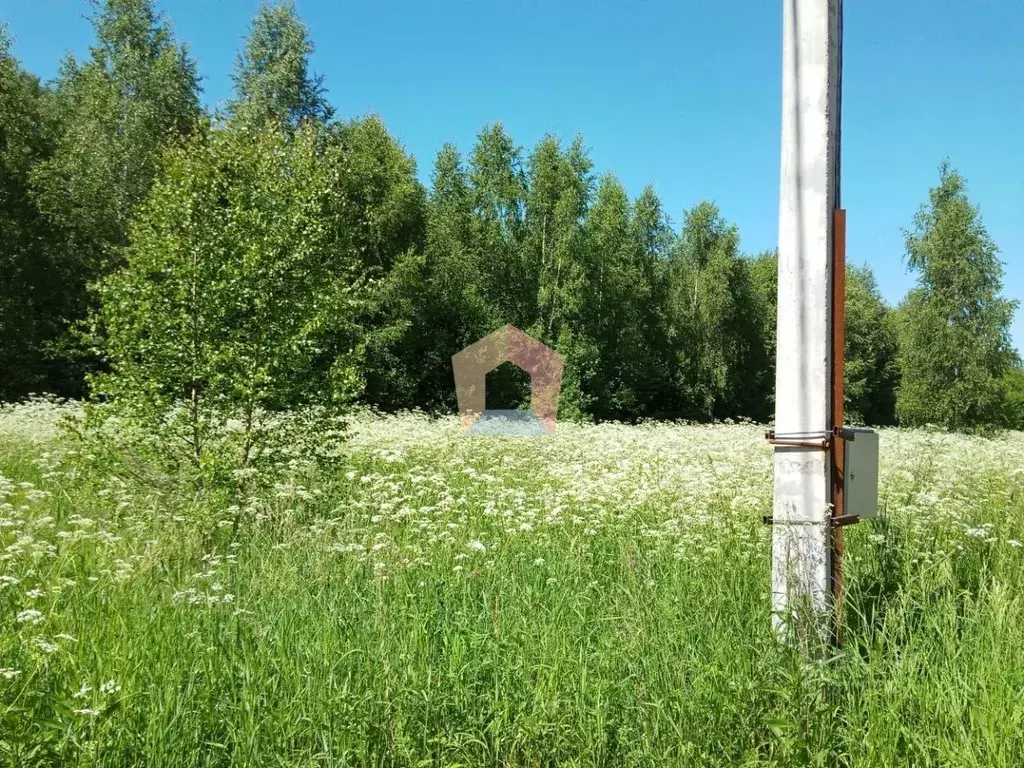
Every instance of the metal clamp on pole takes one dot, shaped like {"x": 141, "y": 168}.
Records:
{"x": 769, "y": 520}
{"x": 836, "y": 522}
{"x": 817, "y": 440}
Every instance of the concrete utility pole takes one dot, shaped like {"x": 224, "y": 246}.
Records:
{"x": 805, "y": 409}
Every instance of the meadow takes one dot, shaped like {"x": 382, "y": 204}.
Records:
{"x": 596, "y": 598}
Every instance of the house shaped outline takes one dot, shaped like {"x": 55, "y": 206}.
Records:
{"x": 508, "y": 344}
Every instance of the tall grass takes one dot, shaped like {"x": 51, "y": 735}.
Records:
{"x": 599, "y": 598}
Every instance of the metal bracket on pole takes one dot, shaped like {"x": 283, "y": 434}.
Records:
{"x": 843, "y": 433}
{"x": 818, "y": 440}
{"x": 834, "y": 521}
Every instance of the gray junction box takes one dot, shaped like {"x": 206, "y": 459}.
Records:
{"x": 860, "y": 495}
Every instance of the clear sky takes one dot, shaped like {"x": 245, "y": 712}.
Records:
{"x": 682, "y": 94}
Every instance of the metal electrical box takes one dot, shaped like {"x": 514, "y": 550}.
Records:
{"x": 861, "y": 482}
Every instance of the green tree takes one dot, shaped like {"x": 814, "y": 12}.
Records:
{"x": 1013, "y": 388}
{"x": 652, "y": 236}
{"x": 622, "y": 255}
{"x": 870, "y": 380}
{"x": 612, "y": 257}
{"x": 474, "y": 278}
{"x": 560, "y": 188}
{"x": 442, "y": 297}
{"x": 764, "y": 275}
{"x": 113, "y": 116}
{"x": 456, "y": 311}
{"x": 954, "y": 343}
{"x": 32, "y": 295}
{"x": 716, "y": 322}
{"x": 240, "y": 266}
{"x": 387, "y": 202}
{"x": 386, "y": 222}
{"x": 385, "y": 211}
{"x": 506, "y": 278}
{"x": 272, "y": 76}
{"x": 454, "y": 258}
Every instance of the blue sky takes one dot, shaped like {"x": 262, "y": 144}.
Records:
{"x": 682, "y": 94}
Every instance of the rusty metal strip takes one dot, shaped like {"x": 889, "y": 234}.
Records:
{"x": 838, "y": 453}
{"x": 819, "y": 444}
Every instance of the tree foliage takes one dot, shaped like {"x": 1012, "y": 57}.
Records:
{"x": 954, "y": 344}
{"x": 272, "y": 77}
{"x": 111, "y": 118}
{"x": 240, "y": 277}
{"x": 871, "y": 376}
{"x": 716, "y": 317}
{"x": 1013, "y": 387}
{"x": 275, "y": 257}
{"x": 32, "y": 293}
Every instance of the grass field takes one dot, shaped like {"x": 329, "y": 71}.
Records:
{"x": 598, "y": 598}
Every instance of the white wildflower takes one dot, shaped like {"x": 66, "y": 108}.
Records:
{"x": 84, "y": 691}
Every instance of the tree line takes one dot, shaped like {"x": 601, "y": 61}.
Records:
{"x": 221, "y": 265}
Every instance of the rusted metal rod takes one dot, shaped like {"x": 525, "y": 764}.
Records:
{"x": 838, "y": 452}
{"x": 798, "y": 440}
{"x": 819, "y": 444}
